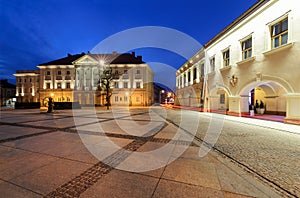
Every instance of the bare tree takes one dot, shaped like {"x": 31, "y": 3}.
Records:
{"x": 105, "y": 80}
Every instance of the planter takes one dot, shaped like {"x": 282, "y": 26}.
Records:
{"x": 251, "y": 113}
{"x": 261, "y": 111}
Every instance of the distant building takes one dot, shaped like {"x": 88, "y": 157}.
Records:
{"x": 27, "y": 85}
{"x": 75, "y": 78}
{"x": 7, "y": 93}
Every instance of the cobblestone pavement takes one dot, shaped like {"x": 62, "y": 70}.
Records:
{"x": 42, "y": 155}
{"x": 270, "y": 150}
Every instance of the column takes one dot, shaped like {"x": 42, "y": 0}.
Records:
{"x": 234, "y": 105}
{"x": 292, "y": 107}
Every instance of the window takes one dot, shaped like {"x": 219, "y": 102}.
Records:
{"x": 68, "y": 99}
{"x": 184, "y": 79}
{"x": 116, "y": 98}
{"x": 48, "y": 73}
{"x": 247, "y": 48}
{"x": 189, "y": 76}
{"x": 20, "y": 79}
{"x": 30, "y": 80}
{"x": 125, "y": 85}
{"x": 125, "y": 98}
{"x": 48, "y": 85}
{"x": 202, "y": 69}
{"x": 59, "y": 85}
{"x": 116, "y": 84}
{"x": 68, "y": 85}
{"x": 20, "y": 90}
{"x": 138, "y": 85}
{"x": 195, "y": 73}
{"x": 68, "y": 73}
{"x": 116, "y": 71}
{"x": 226, "y": 58}
{"x": 125, "y": 71}
{"x": 59, "y": 73}
{"x": 279, "y": 33}
{"x": 212, "y": 62}
{"x": 30, "y": 90}
{"x": 138, "y": 71}
{"x": 137, "y": 99}
{"x": 222, "y": 98}
{"x": 25, "y": 80}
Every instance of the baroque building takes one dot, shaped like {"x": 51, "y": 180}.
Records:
{"x": 254, "y": 60}
{"x": 76, "y": 78}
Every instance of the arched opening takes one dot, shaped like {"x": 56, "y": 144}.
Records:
{"x": 264, "y": 98}
{"x": 219, "y": 100}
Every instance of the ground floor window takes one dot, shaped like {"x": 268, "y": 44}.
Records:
{"x": 222, "y": 98}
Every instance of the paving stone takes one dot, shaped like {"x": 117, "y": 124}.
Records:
{"x": 11, "y": 190}
{"x": 174, "y": 189}
{"x": 122, "y": 184}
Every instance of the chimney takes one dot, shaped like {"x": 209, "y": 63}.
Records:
{"x": 69, "y": 55}
{"x": 140, "y": 58}
{"x": 133, "y": 54}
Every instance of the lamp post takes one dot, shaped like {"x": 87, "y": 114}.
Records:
{"x": 160, "y": 96}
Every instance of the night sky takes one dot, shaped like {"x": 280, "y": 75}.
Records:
{"x": 37, "y": 31}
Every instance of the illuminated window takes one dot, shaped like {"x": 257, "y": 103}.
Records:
{"x": 279, "y": 33}
{"x": 59, "y": 85}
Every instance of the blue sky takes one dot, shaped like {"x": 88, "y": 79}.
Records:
{"x": 37, "y": 31}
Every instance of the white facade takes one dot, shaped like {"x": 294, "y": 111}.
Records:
{"x": 256, "y": 58}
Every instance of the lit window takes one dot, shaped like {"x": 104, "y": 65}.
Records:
{"x": 58, "y": 85}
{"x": 279, "y": 33}
{"x": 247, "y": 48}
{"x": 226, "y": 58}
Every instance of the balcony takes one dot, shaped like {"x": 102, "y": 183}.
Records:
{"x": 58, "y": 77}
{"x": 68, "y": 78}
{"x": 47, "y": 77}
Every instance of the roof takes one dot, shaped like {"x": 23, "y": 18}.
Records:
{"x": 27, "y": 71}
{"x": 242, "y": 17}
{"x": 113, "y": 58}
{"x": 64, "y": 61}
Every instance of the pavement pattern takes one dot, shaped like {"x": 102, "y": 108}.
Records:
{"x": 42, "y": 155}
